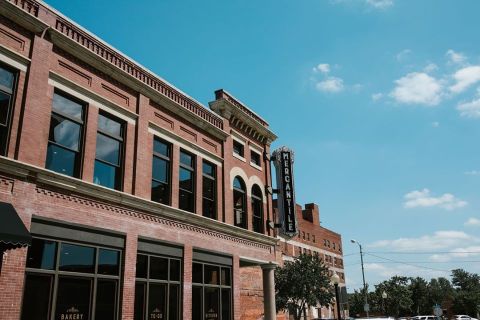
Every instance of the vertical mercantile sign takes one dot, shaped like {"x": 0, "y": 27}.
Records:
{"x": 283, "y": 161}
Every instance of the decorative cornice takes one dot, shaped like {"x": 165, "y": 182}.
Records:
{"x": 87, "y": 47}
{"x": 49, "y": 182}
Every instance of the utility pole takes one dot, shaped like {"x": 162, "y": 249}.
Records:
{"x": 366, "y": 307}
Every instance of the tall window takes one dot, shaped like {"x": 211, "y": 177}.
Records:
{"x": 211, "y": 292}
{"x": 7, "y": 88}
{"x": 161, "y": 171}
{"x": 239, "y": 203}
{"x": 238, "y": 148}
{"x": 209, "y": 190}
{"x": 187, "y": 182}
{"x": 71, "y": 281}
{"x": 157, "y": 288}
{"x": 108, "y": 160}
{"x": 257, "y": 209}
{"x": 66, "y": 135}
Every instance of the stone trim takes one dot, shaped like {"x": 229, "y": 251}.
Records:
{"x": 14, "y": 59}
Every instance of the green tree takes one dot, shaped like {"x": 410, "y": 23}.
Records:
{"x": 301, "y": 283}
{"x": 440, "y": 291}
{"x": 399, "y": 297}
{"x": 419, "y": 290}
{"x": 356, "y": 301}
{"x": 467, "y": 289}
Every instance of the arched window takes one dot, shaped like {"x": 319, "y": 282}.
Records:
{"x": 239, "y": 203}
{"x": 257, "y": 209}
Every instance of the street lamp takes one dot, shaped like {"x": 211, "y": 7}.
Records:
{"x": 336, "y": 280}
{"x": 366, "y": 307}
{"x": 384, "y": 296}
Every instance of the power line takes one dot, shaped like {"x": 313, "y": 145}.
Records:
{"x": 406, "y": 263}
{"x": 429, "y": 262}
{"x": 422, "y": 252}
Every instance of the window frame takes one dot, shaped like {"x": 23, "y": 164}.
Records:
{"x": 94, "y": 277}
{"x": 257, "y": 154}
{"x": 192, "y": 169}
{"x": 212, "y": 178}
{"x": 4, "y": 145}
{"x": 244, "y": 213}
{"x": 120, "y": 168}
{"x": 78, "y": 168}
{"x": 168, "y": 159}
{"x": 259, "y": 217}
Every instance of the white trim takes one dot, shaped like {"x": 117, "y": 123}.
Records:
{"x": 256, "y": 180}
{"x": 237, "y": 136}
{"x": 184, "y": 144}
{"x": 90, "y": 97}
{"x": 13, "y": 59}
{"x": 239, "y": 157}
{"x": 236, "y": 171}
{"x": 257, "y": 151}
{"x": 257, "y": 261}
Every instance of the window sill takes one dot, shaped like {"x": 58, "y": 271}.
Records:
{"x": 239, "y": 157}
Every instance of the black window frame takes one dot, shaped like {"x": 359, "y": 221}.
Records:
{"x": 168, "y": 282}
{"x": 78, "y": 154}
{"x": 257, "y": 204}
{"x": 168, "y": 160}
{"x": 12, "y": 93}
{"x": 220, "y": 286}
{"x": 240, "y": 212}
{"x": 205, "y": 198}
{"x": 119, "y": 171}
{"x": 238, "y": 148}
{"x": 56, "y": 274}
{"x": 255, "y": 158}
{"x": 192, "y": 169}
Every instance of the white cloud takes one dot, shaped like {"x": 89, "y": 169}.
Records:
{"x": 380, "y": 4}
{"x": 465, "y": 78}
{"x": 377, "y": 96}
{"x": 472, "y": 222}
{"x": 417, "y": 88}
{"x": 430, "y": 68}
{"x": 472, "y": 173}
{"x": 455, "y": 57}
{"x": 423, "y": 198}
{"x": 323, "y": 68}
{"x": 331, "y": 85}
{"x": 403, "y": 54}
{"x": 469, "y": 109}
{"x": 435, "y": 124}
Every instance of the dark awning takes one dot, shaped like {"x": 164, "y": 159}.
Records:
{"x": 13, "y": 233}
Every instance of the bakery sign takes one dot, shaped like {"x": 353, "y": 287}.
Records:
{"x": 72, "y": 313}
{"x": 283, "y": 161}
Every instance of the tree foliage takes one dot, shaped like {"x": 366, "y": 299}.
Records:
{"x": 467, "y": 292}
{"x": 301, "y": 283}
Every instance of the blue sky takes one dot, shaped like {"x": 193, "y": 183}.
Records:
{"x": 380, "y": 99}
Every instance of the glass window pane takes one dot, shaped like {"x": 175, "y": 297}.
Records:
{"x": 77, "y": 258}
{"x": 109, "y": 125}
{"x": 4, "y": 107}
{"x": 158, "y": 268}
{"x": 173, "y": 302}
{"x": 197, "y": 303}
{"x": 212, "y": 296}
{"x": 161, "y": 147}
{"x": 41, "y": 254}
{"x": 186, "y": 179}
{"x": 67, "y": 106}
{"x": 106, "y": 299}
{"x": 139, "y": 308}
{"x": 6, "y": 78}
{"x": 208, "y": 169}
{"x": 186, "y": 159}
{"x": 197, "y": 273}
{"x": 157, "y": 301}
{"x": 36, "y": 297}
{"x": 108, "y": 149}
{"x": 186, "y": 201}
{"x": 226, "y": 277}
{"x": 238, "y": 148}
{"x": 208, "y": 188}
{"x": 73, "y": 298}
{"x": 160, "y": 192}
{"x": 65, "y": 132}
{"x": 105, "y": 175}
{"x": 142, "y": 264}
{"x": 61, "y": 160}
{"x": 160, "y": 169}
{"x": 238, "y": 184}
{"x": 174, "y": 270}
{"x": 108, "y": 262}
{"x": 209, "y": 209}
{"x": 226, "y": 304}
{"x": 212, "y": 274}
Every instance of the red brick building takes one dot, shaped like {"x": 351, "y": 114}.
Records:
{"x": 142, "y": 203}
{"x": 314, "y": 239}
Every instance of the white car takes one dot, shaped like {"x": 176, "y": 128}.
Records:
{"x": 463, "y": 317}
